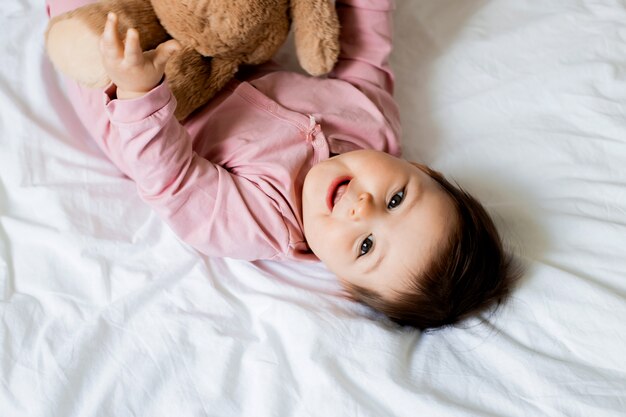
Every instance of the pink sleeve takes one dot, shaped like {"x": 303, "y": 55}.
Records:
{"x": 366, "y": 43}
{"x": 216, "y": 212}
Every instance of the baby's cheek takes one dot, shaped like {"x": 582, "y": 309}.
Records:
{"x": 340, "y": 240}
{"x": 327, "y": 241}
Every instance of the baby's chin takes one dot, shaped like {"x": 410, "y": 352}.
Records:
{"x": 312, "y": 244}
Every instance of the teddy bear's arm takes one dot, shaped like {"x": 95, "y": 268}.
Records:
{"x": 316, "y": 32}
{"x": 194, "y": 79}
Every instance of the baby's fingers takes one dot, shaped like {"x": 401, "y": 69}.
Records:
{"x": 133, "y": 55}
{"x": 163, "y": 53}
{"x": 110, "y": 44}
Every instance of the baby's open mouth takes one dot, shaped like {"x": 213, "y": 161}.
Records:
{"x": 336, "y": 190}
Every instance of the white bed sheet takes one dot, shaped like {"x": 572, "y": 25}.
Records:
{"x": 105, "y": 313}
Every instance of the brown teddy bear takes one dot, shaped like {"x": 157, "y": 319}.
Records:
{"x": 216, "y": 37}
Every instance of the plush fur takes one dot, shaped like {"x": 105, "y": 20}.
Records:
{"x": 217, "y": 36}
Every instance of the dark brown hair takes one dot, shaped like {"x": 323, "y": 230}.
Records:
{"x": 470, "y": 273}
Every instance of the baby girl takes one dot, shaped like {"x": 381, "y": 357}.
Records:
{"x": 285, "y": 166}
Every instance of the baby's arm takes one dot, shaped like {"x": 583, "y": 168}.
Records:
{"x": 366, "y": 43}
{"x": 218, "y": 213}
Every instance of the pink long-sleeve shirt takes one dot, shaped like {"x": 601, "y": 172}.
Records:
{"x": 229, "y": 179}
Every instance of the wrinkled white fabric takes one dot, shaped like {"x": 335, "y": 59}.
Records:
{"x": 104, "y": 312}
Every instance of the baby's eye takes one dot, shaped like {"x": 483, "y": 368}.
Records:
{"x": 366, "y": 245}
{"x": 396, "y": 200}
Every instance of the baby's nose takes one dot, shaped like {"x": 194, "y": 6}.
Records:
{"x": 363, "y": 206}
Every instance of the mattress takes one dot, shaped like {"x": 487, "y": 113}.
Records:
{"x": 106, "y": 313}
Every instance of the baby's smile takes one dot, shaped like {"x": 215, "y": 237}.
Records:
{"x": 336, "y": 190}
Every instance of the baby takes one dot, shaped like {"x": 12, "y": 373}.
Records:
{"x": 284, "y": 166}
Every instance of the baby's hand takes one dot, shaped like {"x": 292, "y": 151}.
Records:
{"x": 133, "y": 72}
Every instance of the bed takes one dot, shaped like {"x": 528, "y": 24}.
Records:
{"x": 106, "y": 313}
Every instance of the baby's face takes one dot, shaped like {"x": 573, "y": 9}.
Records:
{"x": 373, "y": 219}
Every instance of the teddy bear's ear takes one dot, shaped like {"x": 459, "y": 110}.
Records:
{"x": 316, "y": 33}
